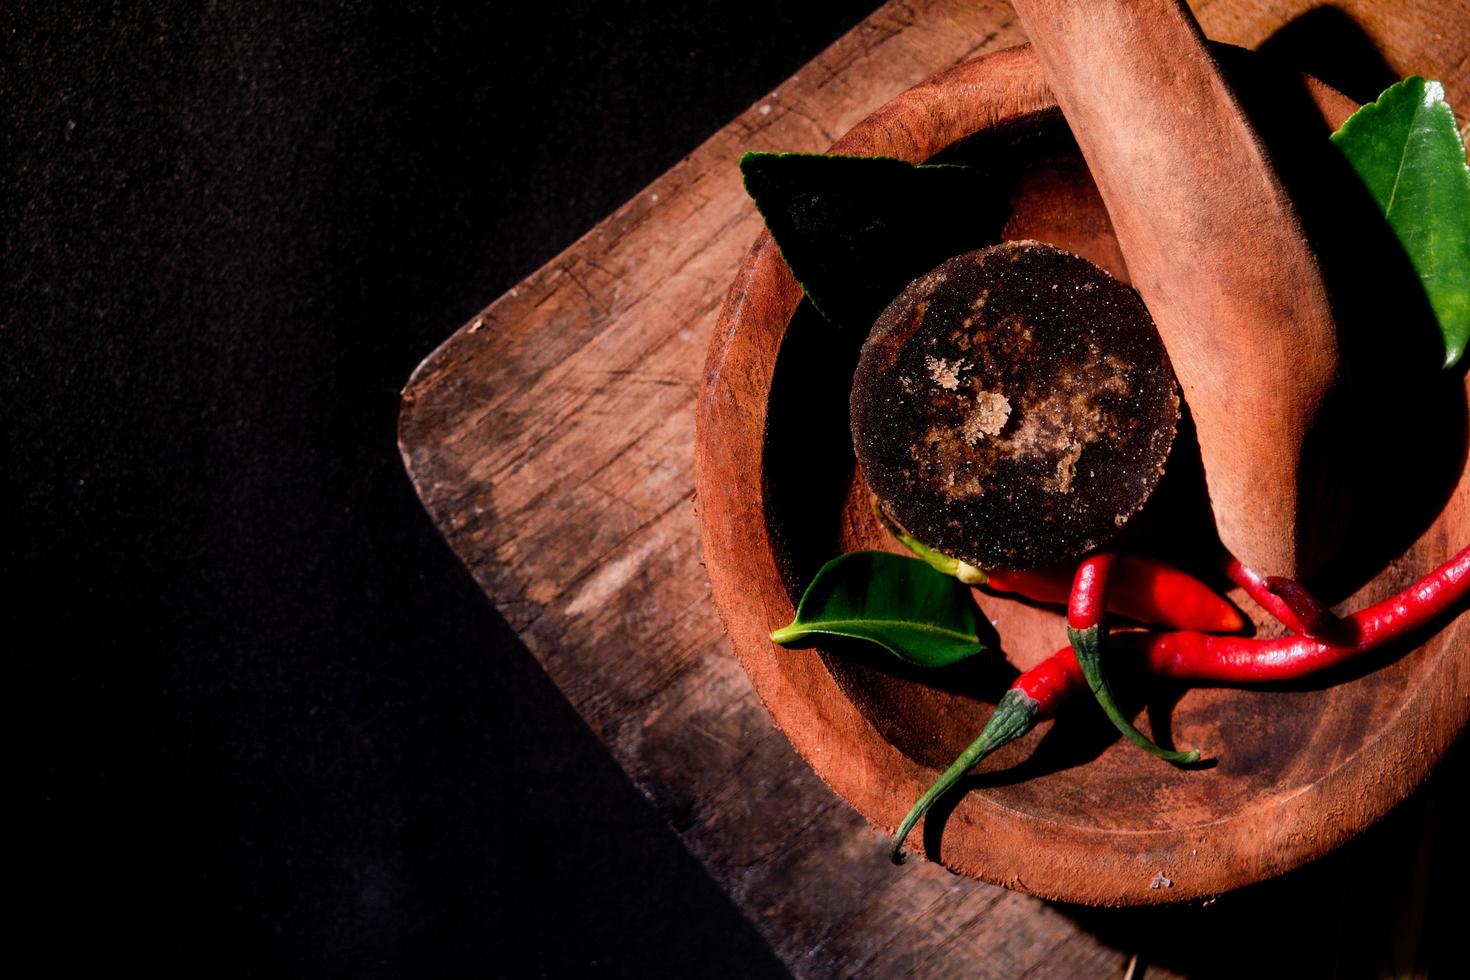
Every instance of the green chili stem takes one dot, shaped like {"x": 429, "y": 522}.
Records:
{"x": 964, "y": 571}
{"x": 1014, "y": 716}
{"x": 1087, "y": 645}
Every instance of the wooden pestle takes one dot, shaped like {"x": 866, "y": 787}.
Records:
{"x": 1216, "y": 249}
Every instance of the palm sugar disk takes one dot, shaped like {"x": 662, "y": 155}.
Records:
{"x": 1014, "y": 407}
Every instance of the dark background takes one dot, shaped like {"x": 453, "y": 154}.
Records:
{"x": 265, "y": 724}
{"x": 261, "y": 722}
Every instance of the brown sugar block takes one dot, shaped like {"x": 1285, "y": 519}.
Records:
{"x": 1014, "y": 407}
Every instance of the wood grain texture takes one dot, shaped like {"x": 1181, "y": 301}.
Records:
{"x": 551, "y": 438}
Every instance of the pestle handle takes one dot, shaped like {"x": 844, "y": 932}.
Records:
{"x": 1216, "y": 249}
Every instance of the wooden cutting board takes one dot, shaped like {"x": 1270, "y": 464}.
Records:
{"x": 551, "y": 438}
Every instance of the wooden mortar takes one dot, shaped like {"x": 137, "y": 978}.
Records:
{"x": 1069, "y": 812}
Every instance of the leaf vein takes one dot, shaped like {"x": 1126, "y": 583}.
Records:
{"x": 1398, "y": 174}
{"x": 916, "y": 626}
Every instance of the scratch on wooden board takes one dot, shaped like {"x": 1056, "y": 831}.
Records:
{"x": 610, "y": 578}
{"x": 718, "y": 740}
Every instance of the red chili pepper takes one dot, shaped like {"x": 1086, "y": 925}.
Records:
{"x": 1087, "y": 604}
{"x": 1197, "y": 656}
{"x": 1254, "y": 584}
{"x": 1036, "y": 694}
{"x": 1189, "y": 656}
{"x": 1143, "y": 589}
{"x": 1317, "y": 620}
{"x": 1153, "y": 592}
{"x": 1085, "y": 614}
{"x": 1287, "y": 601}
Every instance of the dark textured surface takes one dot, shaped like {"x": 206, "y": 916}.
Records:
{"x": 1014, "y": 406}
{"x": 267, "y": 725}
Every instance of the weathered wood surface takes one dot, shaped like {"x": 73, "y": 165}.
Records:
{"x": 551, "y": 439}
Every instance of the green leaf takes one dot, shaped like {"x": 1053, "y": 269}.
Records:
{"x": 1408, "y": 152}
{"x": 856, "y": 230}
{"x": 912, "y": 611}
